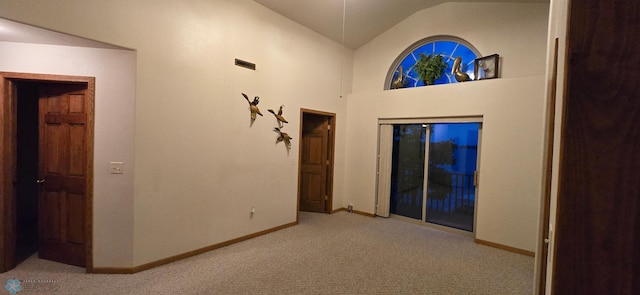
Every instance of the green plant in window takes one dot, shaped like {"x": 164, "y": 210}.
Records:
{"x": 430, "y": 67}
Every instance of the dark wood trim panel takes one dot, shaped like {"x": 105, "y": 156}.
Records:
{"x": 150, "y": 265}
{"x": 367, "y": 214}
{"x": 7, "y": 171}
{"x": 338, "y": 210}
{"x": 505, "y": 247}
{"x": 113, "y": 270}
{"x": 91, "y": 90}
{"x": 46, "y": 78}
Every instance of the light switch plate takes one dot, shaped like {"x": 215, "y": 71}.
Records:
{"x": 117, "y": 168}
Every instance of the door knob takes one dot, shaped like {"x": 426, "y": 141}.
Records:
{"x": 39, "y": 181}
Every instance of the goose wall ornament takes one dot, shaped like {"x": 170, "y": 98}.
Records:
{"x": 279, "y": 117}
{"x": 283, "y": 137}
{"x": 457, "y": 72}
{"x": 401, "y": 80}
{"x": 253, "y": 106}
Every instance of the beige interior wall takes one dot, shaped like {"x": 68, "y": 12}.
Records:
{"x": 515, "y": 31}
{"x": 512, "y": 108}
{"x": 510, "y": 156}
{"x": 199, "y": 164}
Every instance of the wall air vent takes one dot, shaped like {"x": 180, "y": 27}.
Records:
{"x": 245, "y": 64}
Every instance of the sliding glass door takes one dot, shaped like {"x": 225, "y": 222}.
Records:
{"x": 451, "y": 190}
{"x": 407, "y": 170}
{"x": 447, "y": 153}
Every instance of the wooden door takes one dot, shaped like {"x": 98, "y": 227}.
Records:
{"x": 8, "y": 180}
{"x": 314, "y": 163}
{"x": 597, "y": 240}
{"x": 64, "y": 148}
{"x": 62, "y": 172}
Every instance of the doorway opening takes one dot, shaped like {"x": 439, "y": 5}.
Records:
{"x": 428, "y": 173}
{"x": 315, "y": 176}
{"x": 27, "y": 171}
{"x": 46, "y": 177}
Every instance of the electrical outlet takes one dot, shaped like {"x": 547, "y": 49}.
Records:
{"x": 117, "y": 168}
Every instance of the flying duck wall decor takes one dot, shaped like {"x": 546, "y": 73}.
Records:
{"x": 253, "y": 106}
{"x": 283, "y": 137}
{"x": 279, "y": 117}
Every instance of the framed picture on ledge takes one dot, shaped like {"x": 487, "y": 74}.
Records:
{"x": 486, "y": 67}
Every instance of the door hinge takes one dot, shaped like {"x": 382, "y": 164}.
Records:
{"x": 326, "y": 198}
{"x": 475, "y": 178}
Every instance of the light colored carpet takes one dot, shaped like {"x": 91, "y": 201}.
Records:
{"x": 342, "y": 253}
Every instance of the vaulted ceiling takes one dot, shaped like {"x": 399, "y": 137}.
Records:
{"x": 363, "y": 19}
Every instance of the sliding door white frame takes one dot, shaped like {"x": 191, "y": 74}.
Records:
{"x": 385, "y": 153}
{"x": 385, "y": 160}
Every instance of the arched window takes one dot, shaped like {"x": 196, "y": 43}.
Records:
{"x": 449, "y": 47}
